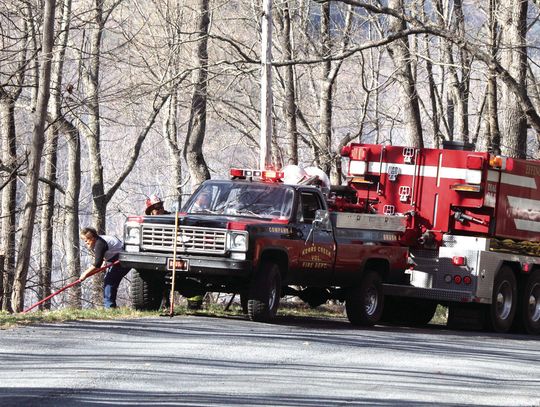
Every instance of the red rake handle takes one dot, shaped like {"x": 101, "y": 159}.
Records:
{"x": 69, "y": 286}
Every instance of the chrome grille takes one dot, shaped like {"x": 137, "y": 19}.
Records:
{"x": 189, "y": 239}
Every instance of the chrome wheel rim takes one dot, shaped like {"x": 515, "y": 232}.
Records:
{"x": 504, "y": 300}
{"x": 371, "y": 300}
{"x": 534, "y": 303}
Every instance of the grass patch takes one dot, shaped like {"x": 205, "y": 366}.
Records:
{"x": 300, "y": 309}
{"x": 68, "y": 314}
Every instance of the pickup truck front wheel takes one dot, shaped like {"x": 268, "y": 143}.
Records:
{"x": 365, "y": 302}
{"x": 147, "y": 290}
{"x": 264, "y": 293}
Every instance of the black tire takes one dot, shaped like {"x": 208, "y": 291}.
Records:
{"x": 365, "y": 302}
{"x": 503, "y": 306}
{"x": 529, "y": 306}
{"x": 264, "y": 293}
{"x": 147, "y": 290}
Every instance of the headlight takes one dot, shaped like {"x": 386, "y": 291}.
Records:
{"x": 238, "y": 241}
{"x": 132, "y": 235}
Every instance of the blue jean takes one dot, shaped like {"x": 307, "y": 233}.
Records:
{"x": 112, "y": 280}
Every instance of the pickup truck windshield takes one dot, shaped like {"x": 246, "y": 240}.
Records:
{"x": 242, "y": 199}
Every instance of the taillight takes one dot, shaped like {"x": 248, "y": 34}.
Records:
{"x": 457, "y": 279}
{"x": 467, "y": 280}
{"x": 458, "y": 261}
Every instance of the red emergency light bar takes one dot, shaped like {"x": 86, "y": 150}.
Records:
{"x": 264, "y": 175}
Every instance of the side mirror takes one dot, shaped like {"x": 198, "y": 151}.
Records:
{"x": 322, "y": 220}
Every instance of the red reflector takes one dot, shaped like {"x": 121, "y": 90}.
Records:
{"x": 474, "y": 162}
{"x": 526, "y": 267}
{"x": 467, "y": 280}
{"x": 458, "y": 261}
{"x": 235, "y": 172}
{"x": 457, "y": 279}
{"x": 509, "y": 164}
{"x": 236, "y": 226}
{"x": 134, "y": 218}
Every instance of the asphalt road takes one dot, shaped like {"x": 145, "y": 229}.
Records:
{"x": 202, "y": 361}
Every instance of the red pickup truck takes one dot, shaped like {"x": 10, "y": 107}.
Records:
{"x": 264, "y": 239}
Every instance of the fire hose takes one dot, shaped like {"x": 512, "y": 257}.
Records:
{"x": 71, "y": 285}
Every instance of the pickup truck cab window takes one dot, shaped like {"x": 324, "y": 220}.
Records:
{"x": 242, "y": 199}
{"x": 309, "y": 204}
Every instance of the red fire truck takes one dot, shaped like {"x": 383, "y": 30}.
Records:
{"x": 411, "y": 228}
{"x": 472, "y": 225}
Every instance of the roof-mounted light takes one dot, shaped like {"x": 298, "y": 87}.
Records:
{"x": 264, "y": 175}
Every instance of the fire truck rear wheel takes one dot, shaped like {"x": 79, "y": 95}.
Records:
{"x": 147, "y": 290}
{"x": 365, "y": 302}
{"x": 264, "y": 293}
{"x": 503, "y": 306}
{"x": 530, "y": 304}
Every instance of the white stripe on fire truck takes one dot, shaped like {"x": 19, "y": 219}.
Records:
{"x": 518, "y": 180}
{"x": 493, "y": 176}
{"x": 424, "y": 170}
{"x": 528, "y": 225}
{"x": 524, "y": 204}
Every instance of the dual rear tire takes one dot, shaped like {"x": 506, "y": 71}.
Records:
{"x": 515, "y": 305}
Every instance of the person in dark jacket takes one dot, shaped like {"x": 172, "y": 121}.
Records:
{"x": 105, "y": 249}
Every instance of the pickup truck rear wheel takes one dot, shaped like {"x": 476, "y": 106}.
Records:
{"x": 264, "y": 293}
{"x": 365, "y": 302}
{"x": 147, "y": 290}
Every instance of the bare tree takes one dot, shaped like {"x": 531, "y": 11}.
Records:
{"x": 193, "y": 153}
{"x": 50, "y": 156}
{"x": 513, "y": 22}
{"x": 38, "y": 137}
{"x": 399, "y": 51}
{"x": 290, "y": 108}
{"x": 14, "y": 55}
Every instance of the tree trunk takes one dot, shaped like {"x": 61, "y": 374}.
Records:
{"x": 72, "y": 212}
{"x": 323, "y": 143}
{"x": 197, "y": 122}
{"x": 38, "y": 138}
{"x": 290, "y": 93}
{"x": 51, "y": 151}
{"x": 513, "y": 21}
{"x": 170, "y": 129}
{"x": 9, "y": 193}
{"x": 494, "y": 134}
{"x": 399, "y": 51}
